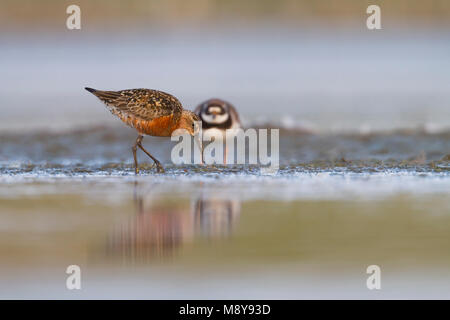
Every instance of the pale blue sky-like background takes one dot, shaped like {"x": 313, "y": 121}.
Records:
{"x": 318, "y": 68}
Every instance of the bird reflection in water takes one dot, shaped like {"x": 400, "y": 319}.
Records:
{"x": 215, "y": 217}
{"x": 162, "y": 227}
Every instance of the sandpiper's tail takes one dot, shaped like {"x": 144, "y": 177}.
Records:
{"x": 108, "y": 97}
{"x": 90, "y": 90}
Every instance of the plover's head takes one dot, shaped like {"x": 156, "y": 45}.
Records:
{"x": 220, "y": 114}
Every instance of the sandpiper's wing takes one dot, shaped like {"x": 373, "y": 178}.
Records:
{"x": 145, "y": 104}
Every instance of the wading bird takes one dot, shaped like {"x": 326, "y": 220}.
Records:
{"x": 150, "y": 112}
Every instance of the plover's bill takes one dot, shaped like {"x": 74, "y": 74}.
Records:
{"x": 150, "y": 112}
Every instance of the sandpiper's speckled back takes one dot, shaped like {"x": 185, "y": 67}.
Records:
{"x": 144, "y": 104}
{"x": 150, "y": 112}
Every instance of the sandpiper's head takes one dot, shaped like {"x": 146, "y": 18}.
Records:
{"x": 187, "y": 122}
{"x": 220, "y": 114}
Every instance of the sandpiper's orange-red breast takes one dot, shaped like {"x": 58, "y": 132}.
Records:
{"x": 150, "y": 112}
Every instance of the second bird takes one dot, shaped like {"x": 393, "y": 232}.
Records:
{"x": 219, "y": 117}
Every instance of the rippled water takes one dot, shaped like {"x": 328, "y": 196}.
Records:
{"x": 100, "y": 146}
{"x": 338, "y": 204}
{"x": 234, "y": 235}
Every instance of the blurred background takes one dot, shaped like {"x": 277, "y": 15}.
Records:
{"x": 364, "y": 118}
{"x": 298, "y": 64}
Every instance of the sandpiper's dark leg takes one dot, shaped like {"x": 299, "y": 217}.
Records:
{"x": 134, "y": 148}
{"x": 158, "y": 164}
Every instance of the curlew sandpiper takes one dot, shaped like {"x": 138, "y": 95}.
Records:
{"x": 150, "y": 112}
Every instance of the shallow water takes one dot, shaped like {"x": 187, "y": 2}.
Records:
{"x": 299, "y": 234}
{"x": 102, "y": 146}
{"x": 310, "y": 230}
{"x": 337, "y": 204}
